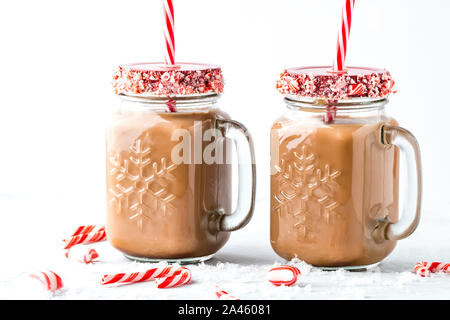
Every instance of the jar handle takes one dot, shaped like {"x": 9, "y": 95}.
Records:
{"x": 239, "y": 134}
{"x": 408, "y": 145}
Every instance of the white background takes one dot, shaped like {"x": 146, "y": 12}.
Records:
{"x": 57, "y": 57}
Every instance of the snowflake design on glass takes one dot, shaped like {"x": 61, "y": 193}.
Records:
{"x": 142, "y": 186}
{"x": 302, "y": 185}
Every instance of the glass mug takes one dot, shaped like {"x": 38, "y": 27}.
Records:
{"x": 335, "y": 185}
{"x": 169, "y": 194}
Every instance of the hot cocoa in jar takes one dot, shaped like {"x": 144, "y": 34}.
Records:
{"x": 168, "y": 165}
{"x": 335, "y": 169}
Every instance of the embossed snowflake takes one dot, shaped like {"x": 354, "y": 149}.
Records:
{"x": 302, "y": 185}
{"x": 141, "y": 186}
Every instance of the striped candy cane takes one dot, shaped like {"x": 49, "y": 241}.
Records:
{"x": 81, "y": 254}
{"x": 344, "y": 34}
{"x": 425, "y": 268}
{"x": 50, "y": 280}
{"x": 169, "y": 35}
{"x": 356, "y": 89}
{"x": 85, "y": 238}
{"x": 148, "y": 275}
{"x": 283, "y": 275}
{"x": 177, "y": 280}
{"x": 223, "y": 295}
{"x": 88, "y": 229}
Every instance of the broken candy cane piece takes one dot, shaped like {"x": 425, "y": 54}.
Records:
{"x": 425, "y": 268}
{"x": 283, "y": 275}
{"x": 148, "y": 275}
{"x": 88, "y": 229}
{"x": 174, "y": 281}
{"x": 49, "y": 279}
{"x": 356, "y": 89}
{"x": 81, "y": 254}
{"x": 223, "y": 295}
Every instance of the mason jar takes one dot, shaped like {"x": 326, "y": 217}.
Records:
{"x": 168, "y": 165}
{"x": 335, "y": 169}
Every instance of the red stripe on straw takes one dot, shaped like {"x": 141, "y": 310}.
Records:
{"x": 344, "y": 34}
{"x": 171, "y": 105}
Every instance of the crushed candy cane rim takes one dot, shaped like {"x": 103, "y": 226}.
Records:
{"x": 159, "y": 79}
{"x": 322, "y": 82}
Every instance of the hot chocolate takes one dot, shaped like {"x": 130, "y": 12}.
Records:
{"x": 331, "y": 185}
{"x": 168, "y": 164}
{"x": 335, "y": 169}
{"x": 159, "y": 207}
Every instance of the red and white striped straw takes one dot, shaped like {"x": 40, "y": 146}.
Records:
{"x": 85, "y": 238}
{"x": 344, "y": 34}
{"x": 169, "y": 35}
{"x": 171, "y": 105}
{"x": 148, "y": 275}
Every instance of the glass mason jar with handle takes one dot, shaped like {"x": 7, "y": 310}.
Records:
{"x": 335, "y": 169}
{"x": 168, "y": 165}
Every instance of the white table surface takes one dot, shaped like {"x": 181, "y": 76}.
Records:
{"x": 31, "y": 240}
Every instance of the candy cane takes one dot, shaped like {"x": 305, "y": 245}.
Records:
{"x": 356, "y": 90}
{"x": 424, "y": 268}
{"x": 81, "y": 254}
{"x": 88, "y": 229}
{"x": 344, "y": 34}
{"x": 283, "y": 275}
{"x": 169, "y": 35}
{"x": 148, "y": 275}
{"x": 174, "y": 281}
{"x": 85, "y": 238}
{"x": 50, "y": 280}
{"x": 223, "y": 295}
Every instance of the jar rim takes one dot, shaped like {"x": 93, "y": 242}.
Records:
{"x": 347, "y": 104}
{"x": 182, "y": 103}
{"x": 152, "y": 98}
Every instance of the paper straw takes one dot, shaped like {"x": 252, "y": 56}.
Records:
{"x": 171, "y": 106}
{"x": 343, "y": 36}
{"x": 169, "y": 35}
